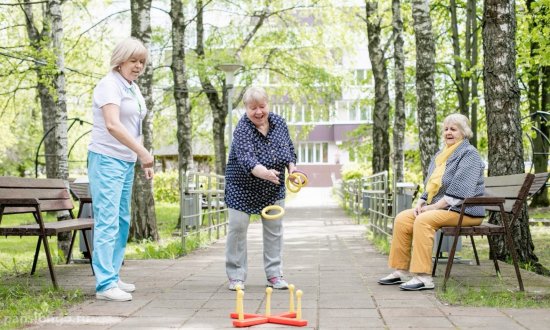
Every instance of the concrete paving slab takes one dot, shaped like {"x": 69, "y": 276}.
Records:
{"x": 326, "y": 256}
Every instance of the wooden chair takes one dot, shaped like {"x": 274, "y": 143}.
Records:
{"x": 505, "y": 195}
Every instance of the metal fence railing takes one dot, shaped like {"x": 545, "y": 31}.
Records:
{"x": 202, "y": 206}
{"x": 378, "y": 198}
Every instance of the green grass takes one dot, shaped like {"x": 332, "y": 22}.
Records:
{"x": 493, "y": 295}
{"x": 16, "y": 253}
{"x": 499, "y": 297}
{"x": 22, "y": 303}
{"x": 381, "y": 242}
{"x": 23, "y": 300}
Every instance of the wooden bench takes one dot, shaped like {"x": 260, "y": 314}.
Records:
{"x": 505, "y": 195}
{"x": 34, "y": 196}
{"x": 80, "y": 192}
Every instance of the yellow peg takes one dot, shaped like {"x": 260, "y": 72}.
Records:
{"x": 299, "y": 304}
{"x": 291, "y": 300}
{"x": 240, "y": 304}
{"x": 268, "y": 292}
{"x": 237, "y": 288}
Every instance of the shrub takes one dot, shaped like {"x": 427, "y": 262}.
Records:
{"x": 166, "y": 187}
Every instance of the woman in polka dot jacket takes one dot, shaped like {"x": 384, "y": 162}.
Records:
{"x": 255, "y": 173}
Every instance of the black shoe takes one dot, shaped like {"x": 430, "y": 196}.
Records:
{"x": 390, "y": 281}
{"x": 416, "y": 286}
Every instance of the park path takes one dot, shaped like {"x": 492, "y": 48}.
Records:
{"x": 326, "y": 256}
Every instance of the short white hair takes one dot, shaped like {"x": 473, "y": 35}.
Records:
{"x": 126, "y": 49}
{"x": 254, "y": 94}
{"x": 461, "y": 121}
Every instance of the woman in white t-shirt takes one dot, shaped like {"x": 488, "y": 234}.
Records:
{"x": 118, "y": 110}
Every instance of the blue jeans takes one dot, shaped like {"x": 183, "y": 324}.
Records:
{"x": 111, "y": 182}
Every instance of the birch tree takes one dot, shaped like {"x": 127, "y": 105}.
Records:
{"x": 537, "y": 94}
{"x": 380, "y": 129}
{"x": 399, "y": 120}
{"x": 144, "y": 221}
{"x": 47, "y": 44}
{"x": 425, "y": 88}
{"x": 472, "y": 53}
{"x": 502, "y": 97}
{"x": 181, "y": 92}
{"x": 461, "y": 87}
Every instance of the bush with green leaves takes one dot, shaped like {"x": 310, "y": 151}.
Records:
{"x": 166, "y": 187}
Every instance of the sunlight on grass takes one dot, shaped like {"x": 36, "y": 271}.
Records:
{"x": 500, "y": 296}
{"x": 21, "y": 304}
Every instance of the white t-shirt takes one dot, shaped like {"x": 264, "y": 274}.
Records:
{"x": 113, "y": 88}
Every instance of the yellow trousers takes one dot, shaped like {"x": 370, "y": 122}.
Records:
{"x": 420, "y": 231}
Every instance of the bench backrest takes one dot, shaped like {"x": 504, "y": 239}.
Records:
{"x": 79, "y": 190}
{"x": 52, "y": 194}
{"x": 514, "y": 188}
{"x": 538, "y": 183}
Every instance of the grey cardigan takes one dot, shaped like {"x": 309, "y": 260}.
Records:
{"x": 463, "y": 178}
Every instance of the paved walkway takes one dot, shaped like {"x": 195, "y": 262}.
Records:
{"x": 326, "y": 256}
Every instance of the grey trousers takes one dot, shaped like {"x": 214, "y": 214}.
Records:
{"x": 236, "y": 264}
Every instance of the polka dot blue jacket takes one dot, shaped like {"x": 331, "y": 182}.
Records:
{"x": 244, "y": 191}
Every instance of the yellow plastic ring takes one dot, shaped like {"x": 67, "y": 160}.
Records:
{"x": 292, "y": 187}
{"x": 298, "y": 175}
{"x": 273, "y": 216}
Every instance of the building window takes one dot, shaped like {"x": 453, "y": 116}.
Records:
{"x": 312, "y": 153}
{"x": 352, "y": 112}
{"x": 363, "y": 77}
{"x": 365, "y": 112}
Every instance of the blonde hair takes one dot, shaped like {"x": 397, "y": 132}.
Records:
{"x": 126, "y": 49}
{"x": 461, "y": 121}
{"x": 254, "y": 94}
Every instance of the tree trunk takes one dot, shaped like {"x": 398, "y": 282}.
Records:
{"x": 40, "y": 42}
{"x": 51, "y": 92}
{"x": 399, "y": 121}
{"x": 181, "y": 94}
{"x": 461, "y": 90}
{"x": 61, "y": 171}
{"x": 425, "y": 89}
{"x": 219, "y": 107}
{"x": 473, "y": 64}
{"x": 380, "y": 130}
{"x": 540, "y": 120}
{"x": 144, "y": 220}
{"x": 503, "y": 118}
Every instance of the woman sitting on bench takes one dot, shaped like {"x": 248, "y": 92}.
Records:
{"x": 455, "y": 173}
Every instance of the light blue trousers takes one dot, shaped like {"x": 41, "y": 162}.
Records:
{"x": 111, "y": 182}
{"x": 236, "y": 263}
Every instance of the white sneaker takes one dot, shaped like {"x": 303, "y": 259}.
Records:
{"x": 277, "y": 283}
{"x": 126, "y": 287}
{"x": 113, "y": 294}
{"x": 233, "y": 284}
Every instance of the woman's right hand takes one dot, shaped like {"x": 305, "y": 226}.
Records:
{"x": 262, "y": 172}
{"x": 418, "y": 209}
